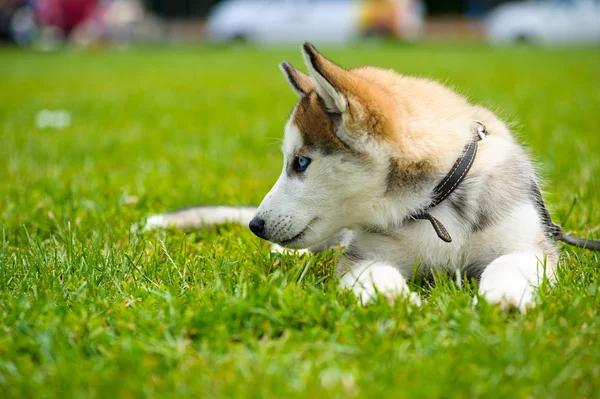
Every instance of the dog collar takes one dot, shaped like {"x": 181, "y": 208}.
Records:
{"x": 451, "y": 181}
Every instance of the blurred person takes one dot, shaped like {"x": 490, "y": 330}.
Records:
{"x": 114, "y": 22}
{"x": 87, "y": 22}
{"x": 65, "y": 14}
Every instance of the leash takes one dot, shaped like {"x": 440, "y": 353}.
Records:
{"x": 459, "y": 172}
{"x": 556, "y": 232}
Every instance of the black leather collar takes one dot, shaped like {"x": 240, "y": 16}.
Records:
{"x": 451, "y": 181}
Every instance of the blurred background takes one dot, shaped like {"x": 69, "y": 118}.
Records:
{"x": 49, "y": 24}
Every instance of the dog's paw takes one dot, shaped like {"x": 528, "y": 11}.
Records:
{"x": 509, "y": 281}
{"x": 507, "y": 296}
{"x": 279, "y": 249}
{"x": 380, "y": 279}
{"x": 414, "y": 299}
{"x": 368, "y": 294}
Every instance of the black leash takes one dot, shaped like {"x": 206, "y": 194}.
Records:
{"x": 459, "y": 172}
{"x": 593, "y": 245}
{"x": 556, "y": 232}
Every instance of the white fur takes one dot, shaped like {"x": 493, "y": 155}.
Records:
{"x": 297, "y": 205}
{"x": 282, "y": 250}
{"x": 367, "y": 279}
{"x": 195, "y": 217}
{"x": 513, "y": 279}
{"x": 156, "y": 222}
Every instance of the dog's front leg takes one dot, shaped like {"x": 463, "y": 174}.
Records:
{"x": 512, "y": 279}
{"x": 368, "y": 278}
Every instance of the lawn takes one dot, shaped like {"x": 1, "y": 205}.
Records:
{"x": 89, "y": 308}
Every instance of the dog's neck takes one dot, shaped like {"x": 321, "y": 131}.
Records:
{"x": 418, "y": 207}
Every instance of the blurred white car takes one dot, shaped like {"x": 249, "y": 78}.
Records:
{"x": 280, "y": 21}
{"x": 552, "y": 21}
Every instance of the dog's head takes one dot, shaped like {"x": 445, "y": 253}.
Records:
{"x": 338, "y": 153}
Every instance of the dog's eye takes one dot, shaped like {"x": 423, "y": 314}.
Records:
{"x": 301, "y": 163}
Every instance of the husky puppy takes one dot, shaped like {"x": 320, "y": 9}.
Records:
{"x": 405, "y": 173}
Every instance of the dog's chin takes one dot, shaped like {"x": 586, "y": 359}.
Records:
{"x": 303, "y": 242}
{"x": 299, "y": 241}
{"x": 297, "y": 244}
{"x": 304, "y": 239}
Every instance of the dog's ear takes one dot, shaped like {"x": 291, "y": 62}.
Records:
{"x": 354, "y": 103}
{"x": 300, "y": 82}
{"x": 328, "y": 77}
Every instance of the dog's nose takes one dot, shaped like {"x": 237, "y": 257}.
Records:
{"x": 257, "y": 226}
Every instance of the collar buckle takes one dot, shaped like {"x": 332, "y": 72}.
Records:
{"x": 480, "y": 130}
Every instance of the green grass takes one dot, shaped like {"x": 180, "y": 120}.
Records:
{"x": 89, "y": 309}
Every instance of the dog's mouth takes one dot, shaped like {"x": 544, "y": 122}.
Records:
{"x": 298, "y": 236}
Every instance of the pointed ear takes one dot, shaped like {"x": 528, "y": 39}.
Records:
{"x": 327, "y": 77}
{"x": 300, "y": 82}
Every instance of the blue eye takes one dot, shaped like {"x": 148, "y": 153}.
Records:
{"x": 301, "y": 163}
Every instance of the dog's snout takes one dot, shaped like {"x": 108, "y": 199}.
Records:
{"x": 257, "y": 226}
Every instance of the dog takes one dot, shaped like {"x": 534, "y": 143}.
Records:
{"x": 404, "y": 173}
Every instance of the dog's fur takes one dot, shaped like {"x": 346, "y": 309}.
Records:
{"x": 379, "y": 142}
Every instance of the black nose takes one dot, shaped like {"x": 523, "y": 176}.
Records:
{"x": 257, "y": 226}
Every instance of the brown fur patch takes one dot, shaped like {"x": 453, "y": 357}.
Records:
{"x": 316, "y": 126}
{"x": 403, "y": 175}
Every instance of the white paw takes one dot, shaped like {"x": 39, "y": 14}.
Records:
{"x": 278, "y": 248}
{"x": 379, "y": 279}
{"x": 511, "y": 280}
{"x": 414, "y": 298}
{"x": 509, "y": 294}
